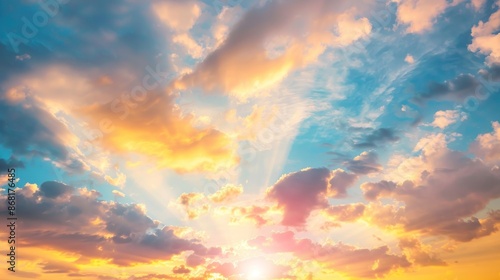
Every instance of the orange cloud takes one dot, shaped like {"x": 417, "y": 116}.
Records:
{"x": 420, "y": 15}
{"x": 249, "y": 41}
{"x": 487, "y": 146}
{"x": 485, "y": 37}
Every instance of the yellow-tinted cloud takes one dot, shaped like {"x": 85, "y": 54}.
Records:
{"x": 226, "y": 193}
{"x": 248, "y": 44}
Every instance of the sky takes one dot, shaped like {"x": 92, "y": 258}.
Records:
{"x": 262, "y": 139}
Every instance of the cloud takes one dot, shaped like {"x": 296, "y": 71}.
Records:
{"x": 442, "y": 119}
{"x": 12, "y": 162}
{"x": 419, "y": 253}
{"x": 42, "y": 135}
{"x": 181, "y": 270}
{"x": 478, "y": 4}
{"x": 458, "y": 89}
{"x": 491, "y": 74}
{"x": 253, "y": 213}
{"x": 53, "y": 189}
{"x": 118, "y": 193}
{"x": 420, "y": 15}
{"x": 339, "y": 182}
{"x": 355, "y": 262}
{"x": 365, "y": 163}
{"x": 454, "y": 187}
{"x": 487, "y": 146}
{"x": 377, "y": 137}
{"x": 299, "y": 193}
{"x": 193, "y": 204}
{"x": 226, "y": 193}
{"x": 179, "y": 16}
{"x": 346, "y": 212}
{"x": 485, "y": 37}
{"x": 247, "y": 44}
{"x": 409, "y": 59}
{"x": 69, "y": 220}
{"x": 124, "y": 121}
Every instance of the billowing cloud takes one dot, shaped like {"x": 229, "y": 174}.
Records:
{"x": 193, "y": 204}
{"x": 420, "y": 15}
{"x": 67, "y": 219}
{"x": 454, "y": 186}
{"x": 485, "y": 37}
{"x": 254, "y": 213}
{"x": 226, "y": 193}
{"x": 248, "y": 42}
{"x": 442, "y": 119}
{"x": 487, "y": 146}
{"x": 419, "y": 253}
{"x": 346, "y": 212}
{"x": 299, "y": 193}
{"x": 355, "y": 262}
{"x": 137, "y": 121}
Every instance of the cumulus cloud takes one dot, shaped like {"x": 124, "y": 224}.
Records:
{"x": 487, "y": 146}
{"x": 442, "y": 119}
{"x": 254, "y": 213}
{"x": 299, "y": 193}
{"x": 346, "y": 212}
{"x": 76, "y": 221}
{"x": 193, "y": 204}
{"x": 454, "y": 187}
{"x": 356, "y": 262}
{"x": 420, "y": 15}
{"x": 419, "y": 253}
{"x": 485, "y": 37}
{"x": 246, "y": 44}
{"x": 477, "y": 4}
{"x": 124, "y": 121}
{"x": 226, "y": 193}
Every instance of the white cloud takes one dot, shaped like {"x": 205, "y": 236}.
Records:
{"x": 442, "y": 119}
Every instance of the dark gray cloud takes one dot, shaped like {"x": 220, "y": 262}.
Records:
{"x": 457, "y": 89}
{"x": 29, "y": 130}
{"x": 83, "y": 34}
{"x": 491, "y": 74}
{"x": 376, "y": 138}
{"x": 52, "y": 189}
{"x": 12, "y": 162}
{"x": 365, "y": 163}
